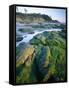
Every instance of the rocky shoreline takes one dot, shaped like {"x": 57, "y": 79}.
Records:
{"x": 43, "y": 59}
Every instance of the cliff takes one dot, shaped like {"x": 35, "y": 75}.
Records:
{"x": 29, "y": 18}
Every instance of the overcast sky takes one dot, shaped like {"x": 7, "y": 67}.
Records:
{"x": 55, "y": 14}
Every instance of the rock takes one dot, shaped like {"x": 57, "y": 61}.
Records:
{"x": 24, "y": 30}
{"x": 25, "y": 55}
{"x": 20, "y": 48}
{"x": 35, "y": 41}
{"x": 31, "y": 32}
{"x": 19, "y": 38}
{"x": 44, "y": 60}
{"x": 24, "y": 65}
{"x": 41, "y": 38}
{"x": 38, "y": 39}
{"x": 48, "y": 56}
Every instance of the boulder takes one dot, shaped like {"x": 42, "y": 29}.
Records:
{"x": 25, "y": 55}
{"x": 19, "y": 38}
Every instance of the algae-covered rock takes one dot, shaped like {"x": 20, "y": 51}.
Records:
{"x": 57, "y": 65}
{"x": 24, "y": 65}
{"x": 25, "y": 55}
{"x": 43, "y": 60}
{"x": 50, "y": 52}
{"x": 19, "y": 49}
{"x": 24, "y": 30}
{"x": 38, "y": 39}
{"x": 48, "y": 55}
{"x": 19, "y": 38}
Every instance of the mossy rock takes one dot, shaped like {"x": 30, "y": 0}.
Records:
{"x": 19, "y": 38}
{"x": 25, "y": 30}
{"x": 48, "y": 56}
{"x": 38, "y": 39}
{"x": 25, "y": 55}
{"x": 43, "y": 60}
{"x": 24, "y": 65}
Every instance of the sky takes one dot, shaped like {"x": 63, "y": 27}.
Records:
{"x": 55, "y": 14}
